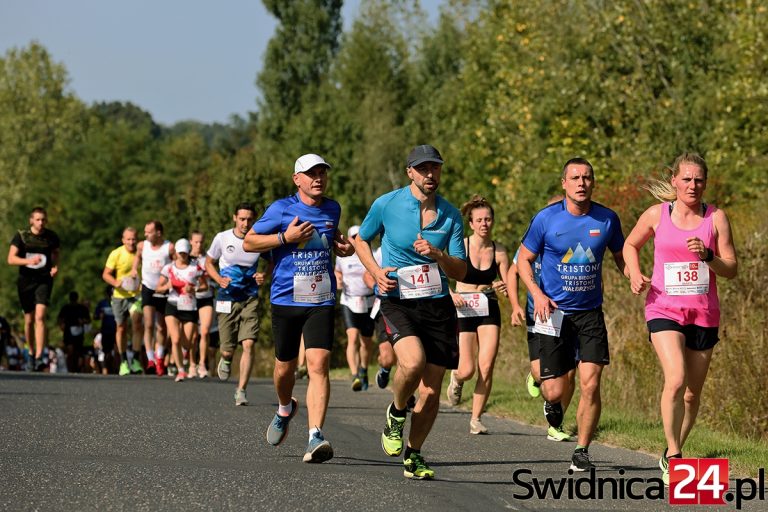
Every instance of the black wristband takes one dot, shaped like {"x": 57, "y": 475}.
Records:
{"x": 710, "y": 256}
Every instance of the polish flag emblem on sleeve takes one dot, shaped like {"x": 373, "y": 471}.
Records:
{"x": 594, "y": 232}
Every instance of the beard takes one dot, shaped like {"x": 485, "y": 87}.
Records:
{"x": 424, "y": 191}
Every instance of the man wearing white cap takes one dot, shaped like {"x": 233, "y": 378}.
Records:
{"x": 301, "y": 231}
{"x": 356, "y": 302}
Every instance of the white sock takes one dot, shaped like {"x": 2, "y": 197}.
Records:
{"x": 312, "y": 432}
{"x": 150, "y": 355}
{"x": 160, "y": 352}
{"x": 285, "y": 410}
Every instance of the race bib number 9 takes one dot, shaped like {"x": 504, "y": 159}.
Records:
{"x": 312, "y": 289}
{"x": 418, "y": 281}
{"x": 475, "y": 305}
{"x": 686, "y": 278}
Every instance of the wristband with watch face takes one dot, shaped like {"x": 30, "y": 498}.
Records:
{"x": 709, "y": 257}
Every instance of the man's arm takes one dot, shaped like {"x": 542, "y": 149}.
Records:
{"x": 454, "y": 268}
{"x": 213, "y": 273}
{"x": 542, "y": 305}
{"x": 295, "y": 234}
{"x": 137, "y": 259}
{"x": 365, "y": 253}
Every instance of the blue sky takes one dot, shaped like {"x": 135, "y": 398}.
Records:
{"x": 177, "y": 59}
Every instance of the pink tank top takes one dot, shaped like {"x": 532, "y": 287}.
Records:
{"x": 678, "y": 285}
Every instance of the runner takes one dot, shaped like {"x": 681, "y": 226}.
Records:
{"x": 72, "y": 319}
{"x": 181, "y": 278}
{"x": 301, "y": 230}
{"x": 356, "y": 302}
{"x": 153, "y": 253}
{"x": 533, "y": 379}
{"x": 478, "y": 309}
{"x": 36, "y": 252}
{"x": 422, "y": 246}
{"x": 117, "y": 274}
{"x": 198, "y": 354}
{"x": 238, "y": 298}
{"x": 693, "y": 245}
{"x": 571, "y": 236}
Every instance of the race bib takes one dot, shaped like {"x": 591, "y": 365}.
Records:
{"x": 357, "y": 304}
{"x": 312, "y": 289}
{"x": 129, "y": 284}
{"x": 39, "y": 264}
{"x": 475, "y": 305}
{"x": 686, "y": 278}
{"x": 375, "y": 308}
{"x": 418, "y": 281}
{"x": 187, "y": 303}
{"x": 75, "y": 330}
{"x": 552, "y": 326}
{"x": 223, "y": 306}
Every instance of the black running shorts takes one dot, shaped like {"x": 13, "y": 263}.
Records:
{"x": 470, "y": 324}
{"x": 433, "y": 321}
{"x": 148, "y": 298}
{"x": 33, "y": 292}
{"x": 360, "y": 321}
{"x": 583, "y": 337}
{"x": 696, "y": 337}
{"x": 289, "y": 323}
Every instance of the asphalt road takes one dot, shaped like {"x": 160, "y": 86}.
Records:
{"x": 146, "y": 443}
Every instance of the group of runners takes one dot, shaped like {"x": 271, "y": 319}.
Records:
{"x": 405, "y": 285}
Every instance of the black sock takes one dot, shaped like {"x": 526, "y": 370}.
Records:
{"x": 397, "y": 413}
{"x": 124, "y": 356}
{"x": 409, "y": 451}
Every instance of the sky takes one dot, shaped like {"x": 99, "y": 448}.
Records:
{"x": 177, "y": 59}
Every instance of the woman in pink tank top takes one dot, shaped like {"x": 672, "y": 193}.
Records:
{"x": 692, "y": 246}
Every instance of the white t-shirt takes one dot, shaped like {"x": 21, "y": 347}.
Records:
{"x": 352, "y": 272}
{"x": 153, "y": 261}
{"x": 180, "y": 277}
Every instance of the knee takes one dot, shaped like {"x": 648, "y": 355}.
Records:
{"x": 248, "y": 347}
{"x": 590, "y": 390}
{"x": 691, "y": 398}
{"x": 485, "y": 370}
{"x": 674, "y": 385}
{"x": 39, "y": 317}
{"x": 466, "y": 372}
{"x": 411, "y": 368}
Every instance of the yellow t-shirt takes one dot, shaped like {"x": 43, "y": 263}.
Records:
{"x": 121, "y": 261}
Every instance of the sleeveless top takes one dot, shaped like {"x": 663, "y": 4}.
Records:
{"x": 152, "y": 262}
{"x": 670, "y": 246}
{"x": 476, "y": 276}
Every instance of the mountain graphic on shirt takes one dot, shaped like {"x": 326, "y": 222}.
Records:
{"x": 316, "y": 242}
{"x": 579, "y": 255}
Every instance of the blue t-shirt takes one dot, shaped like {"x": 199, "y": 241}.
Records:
{"x": 303, "y": 274}
{"x": 536, "y": 267}
{"x": 571, "y": 249}
{"x": 396, "y": 217}
{"x": 236, "y": 264}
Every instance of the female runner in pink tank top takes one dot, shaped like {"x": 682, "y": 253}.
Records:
{"x": 692, "y": 245}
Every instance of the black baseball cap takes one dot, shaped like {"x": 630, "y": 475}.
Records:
{"x": 424, "y": 153}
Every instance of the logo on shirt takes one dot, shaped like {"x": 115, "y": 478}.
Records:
{"x": 230, "y": 249}
{"x": 316, "y": 242}
{"x": 594, "y": 232}
{"x": 579, "y": 255}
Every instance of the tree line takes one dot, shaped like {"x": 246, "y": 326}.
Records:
{"x": 506, "y": 90}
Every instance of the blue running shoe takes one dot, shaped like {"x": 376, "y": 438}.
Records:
{"x": 278, "y": 429}
{"x": 318, "y": 450}
{"x": 382, "y": 377}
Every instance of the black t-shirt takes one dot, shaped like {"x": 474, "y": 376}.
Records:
{"x": 74, "y": 317}
{"x": 44, "y": 243}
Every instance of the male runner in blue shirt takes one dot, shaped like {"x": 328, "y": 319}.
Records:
{"x": 571, "y": 236}
{"x": 422, "y": 244}
{"x": 301, "y": 231}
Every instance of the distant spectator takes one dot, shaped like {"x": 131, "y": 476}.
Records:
{"x": 72, "y": 319}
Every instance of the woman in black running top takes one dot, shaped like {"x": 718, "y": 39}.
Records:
{"x": 478, "y": 307}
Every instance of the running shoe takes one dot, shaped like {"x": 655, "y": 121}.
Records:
{"x": 180, "y": 376}
{"x": 664, "y": 466}
{"x": 135, "y": 367}
{"x": 533, "y": 387}
{"x": 202, "y": 372}
{"x": 40, "y": 365}
{"x": 454, "y": 390}
{"x": 151, "y": 368}
{"x": 124, "y": 369}
{"x": 318, "y": 450}
{"x": 364, "y": 380}
{"x": 159, "y": 367}
{"x": 382, "y": 377}
{"x": 580, "y": 460}
{"x": 240, "y": 398}
{"x": 278, "y": 429}
{"x": 392, "y": 437}
{"x": 477, "y": 427}
{"x": 416, "y": 468}
{"x": 192, "y": 370}
{"x": 172, "y": 370}
{"x": 557, "y": 434}
{"x": 224, "y": 369}
{"x": 357, "y": 384}
{"x": 553, "y": 413}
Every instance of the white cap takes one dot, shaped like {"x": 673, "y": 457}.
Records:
{"x": 308, "y": 161}
{"x": 183, "y": 245}
{"x": 352, "y": 231}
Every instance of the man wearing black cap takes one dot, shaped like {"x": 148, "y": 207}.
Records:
{"x": 422, "y": 241}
